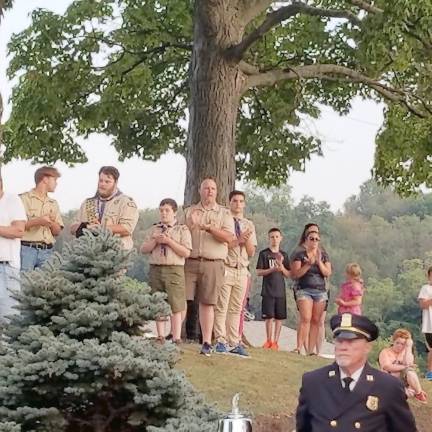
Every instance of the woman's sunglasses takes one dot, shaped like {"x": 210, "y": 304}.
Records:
{"x": 314, "y": 239}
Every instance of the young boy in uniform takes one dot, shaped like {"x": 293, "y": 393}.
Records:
{"x": 273, "y": 266}
{"x": 168, "y": 244}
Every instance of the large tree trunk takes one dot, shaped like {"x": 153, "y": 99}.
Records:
{"x": 215, "y": 84}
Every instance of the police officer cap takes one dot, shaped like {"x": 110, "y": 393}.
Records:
{"x": 349, "y": 326}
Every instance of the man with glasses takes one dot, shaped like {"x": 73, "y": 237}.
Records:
{"x": 12, "y": 226}
{"x": 349, "y": 394}
{"x": 44, "y": 221}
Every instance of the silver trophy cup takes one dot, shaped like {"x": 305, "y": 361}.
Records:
{"x": 235, "y": 421}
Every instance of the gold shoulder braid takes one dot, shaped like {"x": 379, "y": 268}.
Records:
{"x": 91, "y": 210}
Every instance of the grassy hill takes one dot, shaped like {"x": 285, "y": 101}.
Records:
{"x": 268, "y": 383}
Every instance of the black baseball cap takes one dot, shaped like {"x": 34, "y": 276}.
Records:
{"x": 350, "y": 326}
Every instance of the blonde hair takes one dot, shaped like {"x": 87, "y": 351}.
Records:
{"x": 401, "y": 333}
{"x": 353, "y": 270}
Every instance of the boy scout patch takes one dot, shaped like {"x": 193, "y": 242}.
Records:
{"x": 372, "y": 403}
{"x": 131, "y": 204}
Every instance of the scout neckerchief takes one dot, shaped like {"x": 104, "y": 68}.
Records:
{"x": 101, "y": 203}
{"x": 237, "y": 230}
{"x": 164, "y": 228}
{"x": 237, "y": 227}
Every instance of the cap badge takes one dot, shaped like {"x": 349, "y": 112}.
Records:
{"x": 346, "y": 320}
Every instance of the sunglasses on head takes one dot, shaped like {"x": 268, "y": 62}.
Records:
{"x": 314, "y": 239}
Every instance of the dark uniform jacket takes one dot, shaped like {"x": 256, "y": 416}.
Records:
{"x": 376, "y": 404}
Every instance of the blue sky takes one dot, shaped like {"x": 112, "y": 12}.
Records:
{"x": 348, "y": 145}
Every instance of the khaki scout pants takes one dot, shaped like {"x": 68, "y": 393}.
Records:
{"x": 229, "y": 306}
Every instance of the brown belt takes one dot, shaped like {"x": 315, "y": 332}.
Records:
{"x": 204, "y": 259}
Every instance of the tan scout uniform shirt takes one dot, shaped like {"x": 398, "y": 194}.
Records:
{"x": 37, "y": 206}
{"x": 119, "y": 210}
{"x": 204, "y": 245}
{"x": 166, "y": 256}
{"x": 237, "y": 256}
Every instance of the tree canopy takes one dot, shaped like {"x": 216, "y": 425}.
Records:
{"x": 128, "y": 69}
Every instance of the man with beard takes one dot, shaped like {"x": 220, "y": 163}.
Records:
{"x": 44, "y": 219}
{"x": 350, "y": 395}
{"x": 109, "y": 208}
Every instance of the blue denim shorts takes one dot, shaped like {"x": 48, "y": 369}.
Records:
{"x": 311, "y": 294}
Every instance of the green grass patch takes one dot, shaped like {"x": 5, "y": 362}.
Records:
{"x": 268, "y": 381}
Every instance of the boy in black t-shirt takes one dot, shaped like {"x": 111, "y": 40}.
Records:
{"x": 273, "y": 266}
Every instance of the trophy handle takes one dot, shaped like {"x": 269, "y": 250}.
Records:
{"x": 235, "y": 403}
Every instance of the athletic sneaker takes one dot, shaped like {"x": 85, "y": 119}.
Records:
{"x": 239, "y": 350}
{"x": 248, "y": 315}
{"x": 206, "y": 349}
{"x": 267, "y": 344}
{"x": 221, "y": 348}
{"x": 428, "y": 376}
{"x": 421, "y": 397}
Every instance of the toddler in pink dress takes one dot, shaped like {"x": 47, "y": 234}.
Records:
{"x": 351, "y": 291}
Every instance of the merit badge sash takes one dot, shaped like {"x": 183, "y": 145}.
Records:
{"x": 92, "y": 214}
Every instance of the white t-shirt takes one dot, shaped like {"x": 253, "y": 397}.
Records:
{"x": 11, "y": 209}
{"x": 426, "y": 293}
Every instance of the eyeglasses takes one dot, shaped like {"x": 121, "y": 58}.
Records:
{"x": 314, "y": 239}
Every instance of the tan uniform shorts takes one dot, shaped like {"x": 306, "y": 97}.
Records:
{"x": 171, "y": 280}
{"x": 204, "y": 280}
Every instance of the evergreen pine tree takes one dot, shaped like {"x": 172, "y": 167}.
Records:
{"x": 73, "y": 359}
